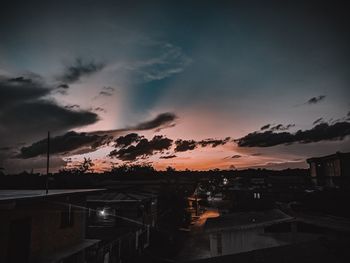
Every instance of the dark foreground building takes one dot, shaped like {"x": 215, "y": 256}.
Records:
{"x": 40, "y": 227}
{"x": 331, "y": 170}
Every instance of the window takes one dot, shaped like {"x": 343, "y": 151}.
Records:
{"x": 67, "y": 217}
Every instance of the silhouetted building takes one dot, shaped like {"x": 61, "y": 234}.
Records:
{"x": 39, "y": 227}
{"x": 331, "y": 170}
{"x": 248, "y": 231}
{"x": 136, "y": 205}
{"x": 122, "y": 221}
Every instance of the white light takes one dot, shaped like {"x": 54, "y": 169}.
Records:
{"x": 102, "y": 212}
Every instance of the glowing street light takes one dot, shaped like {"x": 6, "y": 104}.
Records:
{"x": 102, "y": 212}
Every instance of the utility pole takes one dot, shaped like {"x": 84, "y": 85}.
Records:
{"x": 47, "y": 163}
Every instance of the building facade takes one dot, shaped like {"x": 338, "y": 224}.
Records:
{"x": 331, "y": 170}
{"x": 40, "y": 227}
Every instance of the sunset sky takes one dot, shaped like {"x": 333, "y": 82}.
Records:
{"x": 187, "y": 84}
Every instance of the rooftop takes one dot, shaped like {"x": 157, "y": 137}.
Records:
{"x": 337, "y": 155}
{"x": 245, "y": 220}
{"x": 13, "y": 195}
{"x": 121, "y": 197}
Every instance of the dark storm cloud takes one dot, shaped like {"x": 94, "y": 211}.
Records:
{"x": 80, "y": 68}
{"x": 213, "y": 142}
{"x": 38, "y": 114}
{"x": 168, "y": 156}
{"x": 20, "y": 89}
{"x": 185, "y": 145}
{"x": 236, "y": 156}
{"x": 162, "y": 119}
{"x": 320, "y": 132}
{"x": 62, "y": 144}
{"x": 315, "y": 100}
{"x": 25, "y": 111}
{"x": 92, "y": 140}
{"x": 143, "y": 149}
{"x": 128, "y": 139}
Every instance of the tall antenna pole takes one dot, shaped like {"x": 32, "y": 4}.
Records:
{"x": 47, "y": 163}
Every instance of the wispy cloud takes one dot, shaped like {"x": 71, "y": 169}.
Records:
{"x": 79, "y": 69}
{"x": 315, "y": 100}
{"x": 170, "y": 60}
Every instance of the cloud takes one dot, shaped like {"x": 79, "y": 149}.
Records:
{"x": 90, "y": 141}
{"x": 20, "y": 89}
{"x": 79, "y": 69}
{"x": 185, "y": 145}
{"x": 236, "y": 156}
{"x": 45, "y": 115}
{"x": 105, "y": 93}
{"x": 317, "y": 121}
{"x": 63, "y": 86}
{"x": 276, "y": 127}
{"x": 99, "y": 109}
{"x": 74, "y": 106}
{"x": 143, "y": 149}
{"x": 108, "y": 89}
{"x": 315, "y": 100}
{"x": 188, "y": 145}
{"x": 320, "y": 132}
{"x": 26, "y": 112}
{"x": 265, "y": 127}
{"x": 163, "y": 119}
{"x": 213, "y": 142}
{"x": 64, "y": 143}
{"x": 281, "y": 127}
{"x": 168, "y": 156}
{"x": 128, "y": 139}
{"x": 170, "y": 61}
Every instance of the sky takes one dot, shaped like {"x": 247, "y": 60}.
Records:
{"x": 188, "y": 84}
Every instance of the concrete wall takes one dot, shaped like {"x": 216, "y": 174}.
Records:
{"x": 47, "y": 235}
{"x": 237, "y": 241}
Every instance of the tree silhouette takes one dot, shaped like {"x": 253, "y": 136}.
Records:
{"x": 86, "y": 166}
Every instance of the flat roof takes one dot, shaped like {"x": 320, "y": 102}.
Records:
{"x": 337, "y": 155}
{"x": 15, "y": 194}
{"x": 245, "y": 220}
